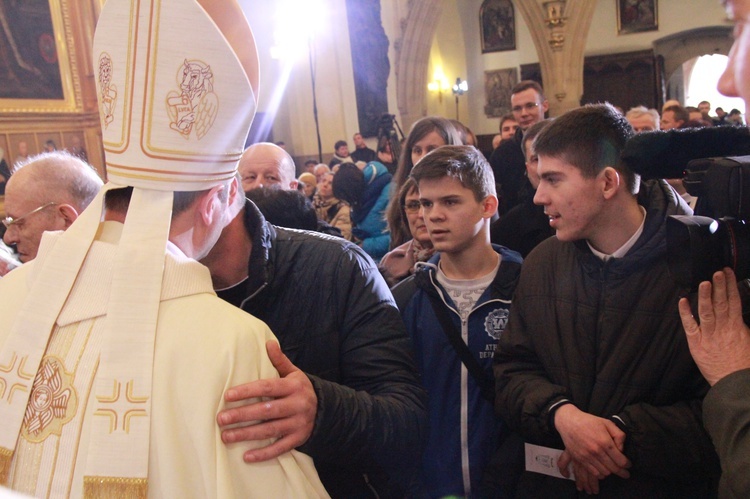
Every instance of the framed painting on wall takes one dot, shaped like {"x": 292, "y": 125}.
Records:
{"x": 497, "y": 26}
{"x": 497, "y": 87}
{"x": 634, "y": 16}
{"x": 35, "y": 70}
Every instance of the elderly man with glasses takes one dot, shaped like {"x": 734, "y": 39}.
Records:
{"x": 46, "y": 193}
{"x": 528, "y": 105}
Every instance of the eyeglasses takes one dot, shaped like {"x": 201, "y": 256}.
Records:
{"x": 8, "y": 221}
{"x": 529, "y": 106}
{"x": 412, "y": 206}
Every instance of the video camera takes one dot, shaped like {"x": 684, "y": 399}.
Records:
{"x": 714, "y": 164}
{"x": 388, "y": 139}
{"x": 386, "y": 127}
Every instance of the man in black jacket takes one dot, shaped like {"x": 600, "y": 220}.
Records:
{"x": 349, "y": 394}
{"x": 593, "y": 360}
{"x": 361, "y": 151}
{"x": 528, "y": 105}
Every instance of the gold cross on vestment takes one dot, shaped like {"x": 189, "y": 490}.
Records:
{"x": 14, "y": 378}
{"x": 121, "y": 409}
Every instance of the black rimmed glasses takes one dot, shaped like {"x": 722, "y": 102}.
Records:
{"x": 8, "y": 221}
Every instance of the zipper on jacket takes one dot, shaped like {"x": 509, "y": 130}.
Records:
{"x": 253, "y": 295}
{"x": 370, "y": 486}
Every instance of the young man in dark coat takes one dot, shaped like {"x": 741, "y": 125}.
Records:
{"x": 594, "y": 361}
{"x": 349, "y": 394}
{"x": 528, "y": 105}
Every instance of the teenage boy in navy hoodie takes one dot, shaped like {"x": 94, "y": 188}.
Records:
{"x": 469, "y": 283}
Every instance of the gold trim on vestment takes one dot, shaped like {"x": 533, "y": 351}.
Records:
{"x": 166, "y": 177}
{"x": 6, "y": 456}
{"x": 112, "y": 487}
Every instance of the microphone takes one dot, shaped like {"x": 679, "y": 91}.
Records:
{"x": 665, "y": 154}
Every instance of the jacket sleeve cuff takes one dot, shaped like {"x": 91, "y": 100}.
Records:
{"x": 552, "y": 409}
{"x": 309, "y": 446}
{"x": 620, "y": 423}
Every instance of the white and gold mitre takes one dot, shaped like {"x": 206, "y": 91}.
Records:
{"x": 177, "y": 84}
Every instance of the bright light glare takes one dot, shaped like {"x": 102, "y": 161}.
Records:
{"x": 702, "y": 85}
{"x": 439, "y": 82}
{"x": 295, "y": 23}
{"x": 461, "y": 87}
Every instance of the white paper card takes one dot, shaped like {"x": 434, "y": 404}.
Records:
{"x": 544, "y": 460}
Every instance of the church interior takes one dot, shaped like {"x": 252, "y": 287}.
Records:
{"x": 345, "y": 63}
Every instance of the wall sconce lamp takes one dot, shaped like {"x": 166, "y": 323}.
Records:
{"x": 460, "y": 88}
{"x": 440, "y": 84}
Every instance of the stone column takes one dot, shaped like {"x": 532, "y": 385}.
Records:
{"x": 559, "y": 29}
{"x": 412, "y": 58}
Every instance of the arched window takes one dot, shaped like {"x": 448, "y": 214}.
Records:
{"x": 701, "y": 75}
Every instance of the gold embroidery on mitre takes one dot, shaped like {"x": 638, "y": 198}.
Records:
{"x": 121, "y": 409}
{"x": 108, "y": 487}
{"x": 195, "y": 107}
{"x": 6, "y": 456}
{"x": 13, "y": 378}
{"x": 108, "y": 97}
{"x": 53, "y": 401}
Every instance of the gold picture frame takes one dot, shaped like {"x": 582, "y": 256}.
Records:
{"x": 636, "y": 16}
{"x": 497, "y": 26}
{"x": 58, "y": 45}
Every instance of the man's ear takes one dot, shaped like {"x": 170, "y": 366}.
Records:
{"x": 210, "y": 205}
{"x": 545, "y": 107}
{"x": 68, "y": 214}
{"x": 293, "y": 185}
{"x": 612, "y": 182}
{"x": 489, "y": 206}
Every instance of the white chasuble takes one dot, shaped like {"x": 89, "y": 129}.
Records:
{"x": 203, "y": 346}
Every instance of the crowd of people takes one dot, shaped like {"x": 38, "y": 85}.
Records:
{"x": 414, "y": 320}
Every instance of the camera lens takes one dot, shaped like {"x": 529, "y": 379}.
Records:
{"x": 699, "y": 246}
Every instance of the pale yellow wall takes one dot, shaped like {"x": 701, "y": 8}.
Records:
{"x": 447, "y": 57}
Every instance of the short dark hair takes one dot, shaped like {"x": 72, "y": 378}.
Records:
{"x": 284, "y": 208}
{"x": 311, "y": 162}
{"x": 463, "y": 163}
{"x": 119, "y": 199}
{"x": 590, "y": 138}
{"x": 527, "y": 84}
{"x": 680, "y": 113}
{"x": 504, "y": 118}
{"x": 532, "y": 132}
{"x": 349, "y": 184}
{"x": 339, "y": 143}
